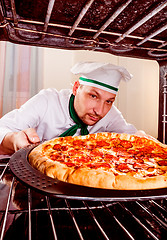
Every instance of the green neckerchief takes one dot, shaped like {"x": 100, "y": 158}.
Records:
{"x": 79, "y": 124}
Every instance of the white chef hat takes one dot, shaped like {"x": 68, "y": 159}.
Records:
{"x": 105, "y": 76}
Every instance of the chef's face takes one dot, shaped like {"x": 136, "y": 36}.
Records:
{"x": 91, "y": 104}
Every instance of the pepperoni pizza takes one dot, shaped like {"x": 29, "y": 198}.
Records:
{"x": 104, "y": 160}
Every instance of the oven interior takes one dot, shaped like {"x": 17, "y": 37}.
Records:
{"x": 131, "y": 28}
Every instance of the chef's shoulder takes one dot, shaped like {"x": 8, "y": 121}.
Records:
{"x": 44, "y": 100}
{"x": 53, "y": 93}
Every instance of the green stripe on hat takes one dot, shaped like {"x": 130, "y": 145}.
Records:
{"x": 98, "y": 83}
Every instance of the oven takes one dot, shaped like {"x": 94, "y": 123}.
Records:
{"x": 31, "y": 206}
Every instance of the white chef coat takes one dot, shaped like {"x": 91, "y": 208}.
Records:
{"x": 48, "y": 113}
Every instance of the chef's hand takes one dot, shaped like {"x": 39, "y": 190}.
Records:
{"x": 13, "y": 141}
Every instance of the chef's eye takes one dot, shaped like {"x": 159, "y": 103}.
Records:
{"x": 109, "y": 102}
{"x": 93, "y": 96}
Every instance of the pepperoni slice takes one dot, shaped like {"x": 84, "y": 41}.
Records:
{"x": 140, "y": 154}
{"x": 64, "y": 148}
{"x": 57, "y": 147}
{"x": 46, "y": 147}
{"x": 69, "y": 164}
{"x": 102, "y": 143}
{"x": 160, "y": 155}
{"x": 98, "y": 165}
{"x": 118, "y": 149}
{"x": 115, "y": 141}
{"x": 162, "y": 163}
{"x": 110, "y": 158}
{"x": 147, "y": 149}
{"x": 126, "y": 144}
{"x": 121, "y": 152}
{"x": 123, "y": 167}
{"x": 78, "y": 143}
{"x": 83, "y": 159}
{"x": 132, "y": 151}
{"x": 96, "y": 154}
{"x": 56, "y": 157}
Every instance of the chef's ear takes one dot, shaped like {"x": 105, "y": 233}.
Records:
{"x": 75, "y": 87}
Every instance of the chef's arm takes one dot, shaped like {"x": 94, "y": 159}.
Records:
{"x": 13, "y": 141}
{"x": 141, "y": 133}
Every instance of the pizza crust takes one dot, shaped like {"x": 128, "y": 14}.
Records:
{"x": 92, "y": 178}
{"x": 127, "y": 182}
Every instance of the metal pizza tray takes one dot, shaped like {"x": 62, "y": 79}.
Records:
{"x": 21, "y": 168}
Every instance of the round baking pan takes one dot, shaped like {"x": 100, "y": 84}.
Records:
{"x": 21, "y": 168}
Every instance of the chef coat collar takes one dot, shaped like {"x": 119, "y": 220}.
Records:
{"x": 79, "y": 124}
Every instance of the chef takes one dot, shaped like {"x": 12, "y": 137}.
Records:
{"x": 87, "y": 108}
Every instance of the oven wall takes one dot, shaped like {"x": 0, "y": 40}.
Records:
{"x": 137, "y": 99}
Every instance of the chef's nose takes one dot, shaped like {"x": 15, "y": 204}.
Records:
{"x": 99, "y": 108}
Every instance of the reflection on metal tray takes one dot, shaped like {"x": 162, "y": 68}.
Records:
{"x": 21, "y": 168}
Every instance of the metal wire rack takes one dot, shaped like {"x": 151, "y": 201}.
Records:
{"x": 72, "y": 25}
{"x": 28, "y": 214}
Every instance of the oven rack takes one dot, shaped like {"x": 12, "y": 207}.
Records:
{"x": 32, "y": 215}
{"x": 74, "y": 25}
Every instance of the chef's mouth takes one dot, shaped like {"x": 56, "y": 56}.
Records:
{"x": 94, "y": 118}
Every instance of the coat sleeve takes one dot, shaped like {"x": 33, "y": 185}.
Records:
{"x": 117, "y": 123}
{"x": 27, "y": 116}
